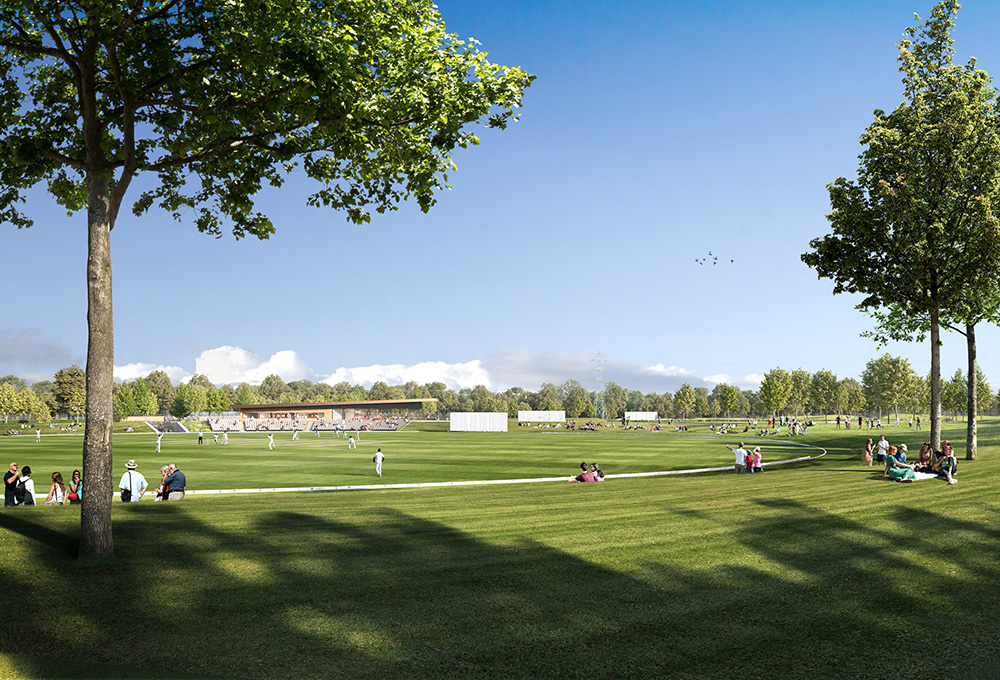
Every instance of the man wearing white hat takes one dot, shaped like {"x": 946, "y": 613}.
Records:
{"x": 133, "y": 484}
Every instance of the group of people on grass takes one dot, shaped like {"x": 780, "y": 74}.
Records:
{"x": 19, "y": 487}
{"x": 133, "y": 484}
{"x": 746, "y": 461}
{"x": 941, "y": 463}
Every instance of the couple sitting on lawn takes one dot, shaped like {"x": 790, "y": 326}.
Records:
{"x": 593, "y": 474}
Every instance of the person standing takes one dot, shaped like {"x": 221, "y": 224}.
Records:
{"x": 9, "y": 485}
{"x": 201, "y": 437}
{"x": 351, "y": 444}
{"x": 225, "y": 437}
{"x": 740, "y": 464}
{"x": 295, "y": 436}
{"x": 133, "y": 482}
{"x": 215, "y": 437}
{"x": 175, "y": 484}
{"x": 38, "y": 435}
{"x": 379, "y": 457}
{"x": 159, "y": 436}
{"x": 883, "y": 449}
{"x": 270, "y": 441}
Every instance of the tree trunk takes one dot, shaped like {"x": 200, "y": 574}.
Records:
{"x": 972, "y": 425}
{"x": 95, "y": 516}
{"x": 935, "y": 415}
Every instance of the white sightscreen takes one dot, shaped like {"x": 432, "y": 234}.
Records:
{"x": 640, "y": 415}
{"x": 541, "y": 416}
{"x": 478, "y": 422}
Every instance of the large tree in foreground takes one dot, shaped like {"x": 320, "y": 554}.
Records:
{"x": 211, "y": 100}
{"x": 917, "y": 227}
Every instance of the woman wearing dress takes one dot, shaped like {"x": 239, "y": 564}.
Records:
{"x": 868, "y": 453}
{"x": 896, "y": 471}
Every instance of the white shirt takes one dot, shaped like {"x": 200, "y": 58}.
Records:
{"x": 741, "y": 455}
{"x": 130, "y": 477}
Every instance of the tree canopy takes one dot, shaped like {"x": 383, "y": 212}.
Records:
{"x": 212, "y": 100}
{"x": 916, "y": 231}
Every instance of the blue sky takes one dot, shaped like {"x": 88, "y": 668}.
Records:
{"x": 654, "y": 134}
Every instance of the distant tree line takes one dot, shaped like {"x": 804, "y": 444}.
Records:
{"x": 888, "y": 387}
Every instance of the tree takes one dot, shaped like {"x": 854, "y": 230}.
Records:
{"x": 370, "y": 98}
{"x": 774, "y": 390}
{"x": 378, "y": 391}
{"x": 884, "y": 381}
{"x": 273, "y": 389}
{"x": 615, "y": 399}
{"x": 798, "y": 395}
{"x": 984, "y": 398}
{"x": 247, "y": 395}
{"x": 70, "y": 390}
{"x": 145, "y": 401}
{"x": 684, "y": 401}
{"x": 727, "y": 397}
{"x": 853, "y": 396}
{"x": 161, "y": 387}
{"x": 124, "y": 404}
{"x": 824, "y": 390}
{"x": 17, "y": 383}
{"x": 953, "y": 393}
{"x": 8, "y": 400}
{"x": 916, "y": 232}
{"x": 577, "y": 401}
{"x": 916, "y": 395}
{"x": 43, "y": 388}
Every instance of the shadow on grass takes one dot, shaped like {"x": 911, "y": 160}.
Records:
{"x": 280, "y": 593}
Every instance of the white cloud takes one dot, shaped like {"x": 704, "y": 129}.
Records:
{"x": 455, "y": 376}
{"x": 130, "y": 372}
{"x": 228, "y": 364}
{"x": 673, "y": 371}
{"x": 503, "y": 369}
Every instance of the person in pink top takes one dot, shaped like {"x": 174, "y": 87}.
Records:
{"x": 756, "y": 459}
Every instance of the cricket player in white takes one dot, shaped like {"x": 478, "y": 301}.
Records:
{"x": 379, "y": 457}
{"x": 270, "y": 442}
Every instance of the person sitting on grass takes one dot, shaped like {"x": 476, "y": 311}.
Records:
{"x": 949, "y": 465}
{"x": 925, "y": 459}
{"x": 57, "y": 492}
{"x": 901, "y": 453}
{"x": 895, "y": 470}
{"x": 75, "y": 486}
{"x": 596, "y": 471}
{"x": 584, "y": 476}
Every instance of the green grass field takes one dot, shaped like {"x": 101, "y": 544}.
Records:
{"x": 817, "y": 569}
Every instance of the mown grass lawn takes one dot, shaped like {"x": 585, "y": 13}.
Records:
{"x": 816, "y": 569}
